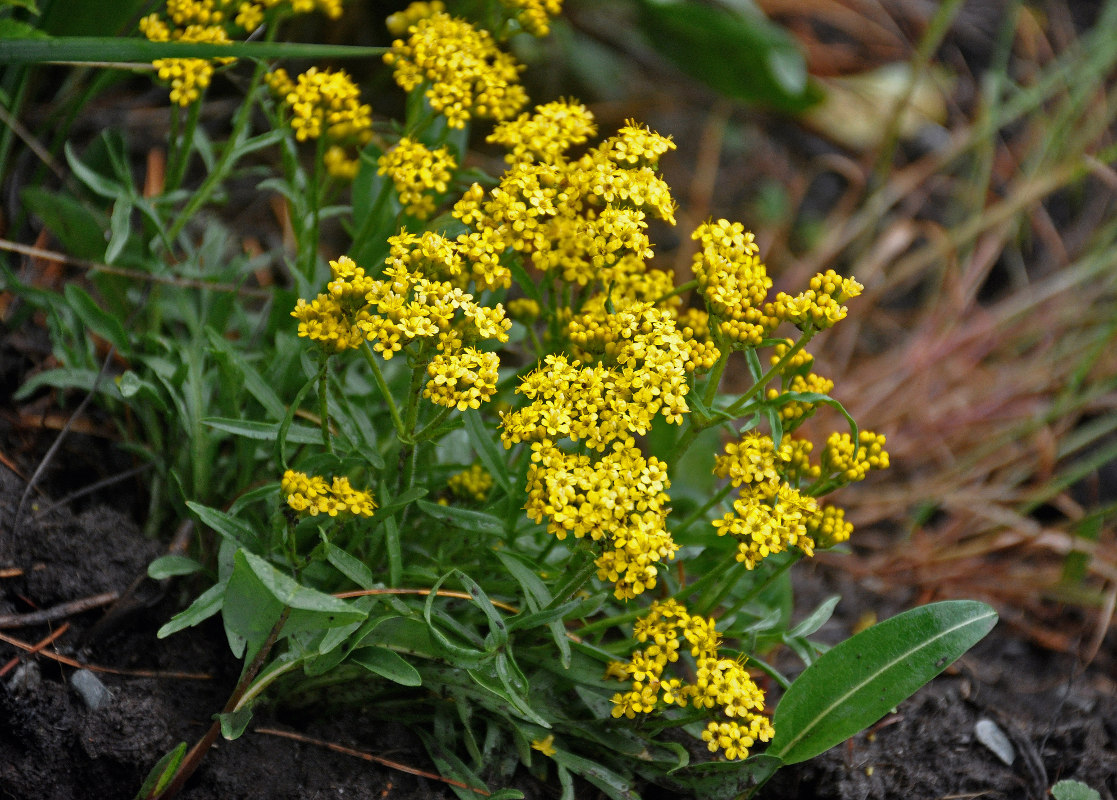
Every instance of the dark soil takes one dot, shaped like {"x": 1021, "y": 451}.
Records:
{"x": 1061, "y": 721}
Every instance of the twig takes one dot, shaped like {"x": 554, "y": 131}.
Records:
{"x": 65, "y": 626}
{"x": 337, "y": 748}
{"x": 57, "y": 612}
{"x": 128, "y": 673}
{"x": 93, "y": 487}
{"x": 188, "y": 283}
{"x": 62, "y": 435}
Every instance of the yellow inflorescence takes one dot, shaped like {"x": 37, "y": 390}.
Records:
{"x": 798, "y": 410}
{"x": 418, "y": 172}
{"x": 534, "y": 16}
{"x": 466, "y": 74}
{"x": 310, "y": 495}
{"x": 463, "y": 379}
{"x": 829, "y": 527}
{"x": 326, "y": 104}
{"x": 820, "y": 306}
{"x": 720, "y": 683}
{"x": 474, "y": 483}
{"x": 733, "y": 281}
{"x": 546, "y": 134}
{"x": 212, "y": 22}
{"x": 840, "y": 458}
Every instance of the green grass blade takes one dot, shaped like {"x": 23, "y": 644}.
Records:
{"x": 854, "y": 684}
{"x": 86, "y": 49}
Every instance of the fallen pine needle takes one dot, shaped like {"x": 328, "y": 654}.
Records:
{"x": 130, "y": 673}
{"x": 298, "y": 737}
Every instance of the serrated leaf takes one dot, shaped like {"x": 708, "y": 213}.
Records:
{"x": 854, "y": 684}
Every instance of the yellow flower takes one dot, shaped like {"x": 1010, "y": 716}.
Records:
{"x": 546, "y": 134}
{"x": 534, "y": 15}
{"x": 310, "y": 495}
{"x": 545, "y": 746}
{"x": 841, "y": 459}
{"x": 465, "y": 73}
{"x": 474, "y": 483}
{"x": 418, "y": 172}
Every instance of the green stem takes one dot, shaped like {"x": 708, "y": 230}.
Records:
{"x": 424, "y": 433}
{"x": 756, "y": 590}
{"x": 776, "y": 368}
{"x": 224, "y": 162}
{"x": 701, "y": 512}
{"x": 183, "y": 140}
{"x": 308, "y": 241}
{"x": 323, "y": 398}
{"x": 678, "y": 290}
{"x": 382, "y": 385}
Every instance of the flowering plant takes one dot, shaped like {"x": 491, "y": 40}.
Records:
{"x": 470, "y": 426}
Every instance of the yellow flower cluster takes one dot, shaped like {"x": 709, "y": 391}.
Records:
{"x": 546, "y": 134}
{"x": 829, "y": 527}
{"x": 399, "y": 22}
{"x": 310, "y": 495}
{"x": 820, "y": 306}
{"x": 850, "y": 464}
{"x": 644, "y": 374}
{"x": 768, "y": 515}
{"x": 326, "y": 104}
{"x": 463, "y": 378}
{"x": 534, "y": 16}
{"x": 474, "y": 483}
{"x": 733, "y": 280}
{"x": 465, "y": 73}
{"x": 720, "y": 683}
{"x": 619, "y": 497}
{"x": 403, "y": 307}
{"x": 417, "y": 172}
{"x": 212, "y": 22}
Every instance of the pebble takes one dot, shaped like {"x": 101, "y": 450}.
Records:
{"x": 990, "y": 735}
{"x": 95, "y": 694}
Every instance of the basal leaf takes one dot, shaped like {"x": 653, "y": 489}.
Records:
{"x": 387, "y": 664}
{"x": 854, "y": 684}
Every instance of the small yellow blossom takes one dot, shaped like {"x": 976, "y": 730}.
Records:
{"x": 545, "y": 746}
{"x": 466, "y": 75}
{"x": 418, "y": 173}
{"x": 474, "y": 483}
{"x": 534, "y": 16}
{"x": 310, "y": 495}
{"x": 546, "y": 134}
{"x": 841, "y": 459}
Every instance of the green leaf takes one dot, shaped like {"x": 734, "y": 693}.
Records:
{"x": 463, "y": 518}
{"x": 66, "y": 378}
{"x": 484, "y": 443}
{"x": 1074, "y": 790}
{"x": 387, "y": 664}
{"x": 170, "y": 565}
{"x": 226, "y": 525}
{"x": 132, "y": 385}
{"x": 256, "y": 596}
{"x": 64, "y": 49}
{"x": 253, "y": 381}
{"x": 723, "y": 780}
{"x": 348, "y": 565}
{"x": 90, "y": 177}
{"x": 81, "y": 231}
{"x": 204, "y": 606}
{"x": 605, "y": 779}
{"x": 14, "y": 29}
{"x": 233, "y": 723}
{"x": 265, "y": 431}
{"x": 745, "y": 57}
{"x": 120, "y": 226}
{"x": 162, "y": 773}
{"x": 96, "y": 319}
{"x": 854, "y": 684}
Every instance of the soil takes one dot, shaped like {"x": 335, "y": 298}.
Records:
{"x": 1060, "y": 720}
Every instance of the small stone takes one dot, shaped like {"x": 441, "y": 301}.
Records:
{"x": 92, "y": 691}
{"x": 990, "y": 735}
{"x": 26, "y": 679}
